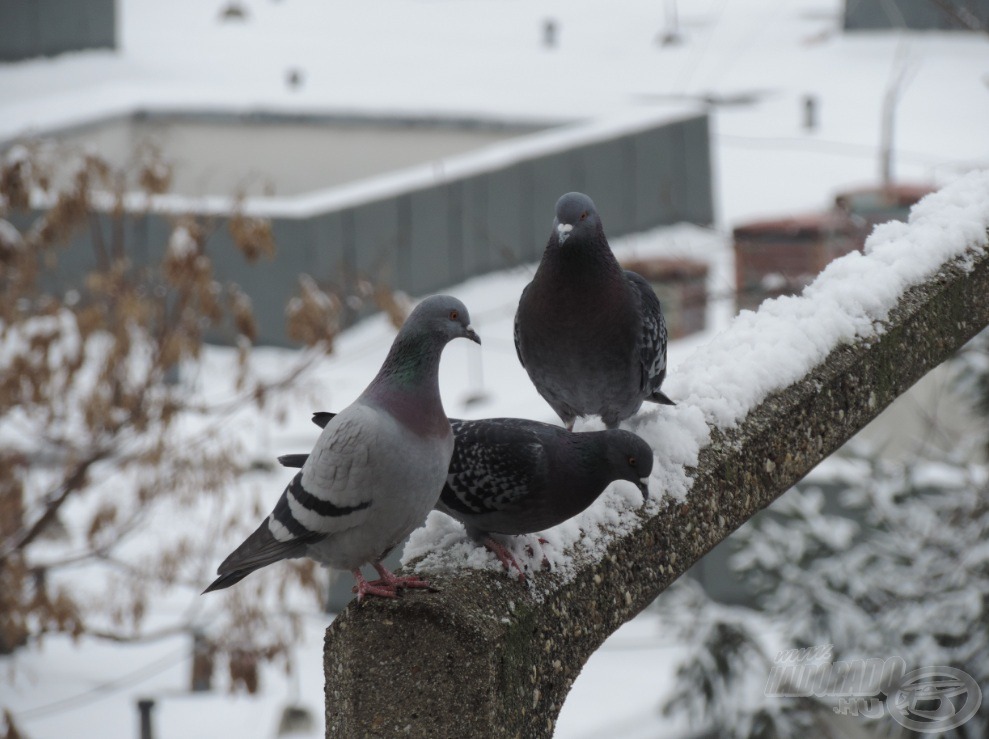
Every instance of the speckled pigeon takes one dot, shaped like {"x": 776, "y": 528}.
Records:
{"x": 377, "y": 469}
{"x": 591, "y": 335}
{"x": 515, "y": 476}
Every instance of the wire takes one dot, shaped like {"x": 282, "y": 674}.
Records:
{"x": 699, "y": 51}
{"x": 823, "y": 145}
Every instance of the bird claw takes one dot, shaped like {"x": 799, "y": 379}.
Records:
{"x": 504, "y": 556}
{"x": 374, "y": 588}
{"x": 408, "y": 581}
{"x": 398, "y": 582}
{"x": 387, "y": 586}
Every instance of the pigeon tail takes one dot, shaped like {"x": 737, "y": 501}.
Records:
{"x": 293, "y": 460}
{"x": 321, "y": 418}
{"x": 225, "y": 581}
{"x": 259, "y": 550}
{"x": 658, "y": 396}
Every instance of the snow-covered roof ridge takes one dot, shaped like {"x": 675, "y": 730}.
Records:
{"x": 557, "y": 136}
{"x": 760, "y": 353}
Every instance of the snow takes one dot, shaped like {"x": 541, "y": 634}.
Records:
{"x": 632, "y": 691}
{"x": 10, "y": 237}
{"x": 90, "y": 689}
{"x": 606, "y": 65}
{"x": 769, "y": 349}
{"x": 182, "y": 244}
{"x": 758, "y": 353}
{"x": 484, "y": 59}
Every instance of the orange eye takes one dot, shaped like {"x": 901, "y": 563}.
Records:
{"x": 454, "y": 315}
{"x": 583, "y": 216}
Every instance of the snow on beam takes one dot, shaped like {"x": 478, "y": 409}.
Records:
{"x": 760, "y": 406}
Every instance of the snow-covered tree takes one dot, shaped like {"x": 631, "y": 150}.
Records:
{"x": 972, "y": 380}
{"x": 902, "y": 571}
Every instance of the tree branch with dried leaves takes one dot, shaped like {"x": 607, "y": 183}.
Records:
{"x": 108, "y": 455}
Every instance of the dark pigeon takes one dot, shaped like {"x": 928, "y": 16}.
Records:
{"x": 377, "y": 469}
{"x": 590, "y": 334}
{"x": 514, "y": 476}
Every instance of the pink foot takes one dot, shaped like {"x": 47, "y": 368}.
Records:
{"x": 363, "y": 587}
{"x": 396, "y": 581}
{"x": 503, "y": 555}
{"x": 389, "y": 583}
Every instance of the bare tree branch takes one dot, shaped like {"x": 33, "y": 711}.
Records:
{"x": 961, "y": 14}
{"x": 74, "y": 481}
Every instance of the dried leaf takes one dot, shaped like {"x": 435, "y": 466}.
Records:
{"x": 252, "y": 236}
{"x": 313, "y": 316}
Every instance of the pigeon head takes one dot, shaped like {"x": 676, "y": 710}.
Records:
{"x": 407, "y": 385}
{"x": 628, "y": 458}
{"x": 576, "y": 216}
{"x": 441, "y": 316}
{"x": 414, "y": 356}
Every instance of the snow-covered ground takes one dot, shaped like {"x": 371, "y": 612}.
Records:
{"x": 485, "y": 58}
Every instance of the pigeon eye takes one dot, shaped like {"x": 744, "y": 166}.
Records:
{"x": 631, "y": 461}
{"x": 454, "y": 315}
{"x": 583, "y": 216}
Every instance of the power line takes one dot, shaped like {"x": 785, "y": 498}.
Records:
{"x": 822, "y": 145}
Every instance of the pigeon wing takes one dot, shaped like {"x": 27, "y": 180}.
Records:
{"x": 493, "y": 468}
{"x": 333, "y": 491}
{"x": 518, "y": 347}
{"x": 652, "y": 344}
{"x": 330, "y": 494}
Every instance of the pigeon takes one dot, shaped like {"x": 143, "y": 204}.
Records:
{"x": 376, "y": 470}
{"x": 516, "y": 476}
{"x": 591, "y": 335}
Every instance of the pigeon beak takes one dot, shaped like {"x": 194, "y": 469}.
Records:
{"x": 563, "y": 232}
{"x": 470, "y": 333}
{"x": 643, "y": 486}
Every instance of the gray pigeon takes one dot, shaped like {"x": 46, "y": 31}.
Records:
{"x": 515, "y": 476}
{"x": 591, "y": 335}
{"x": 377, "y": 468}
